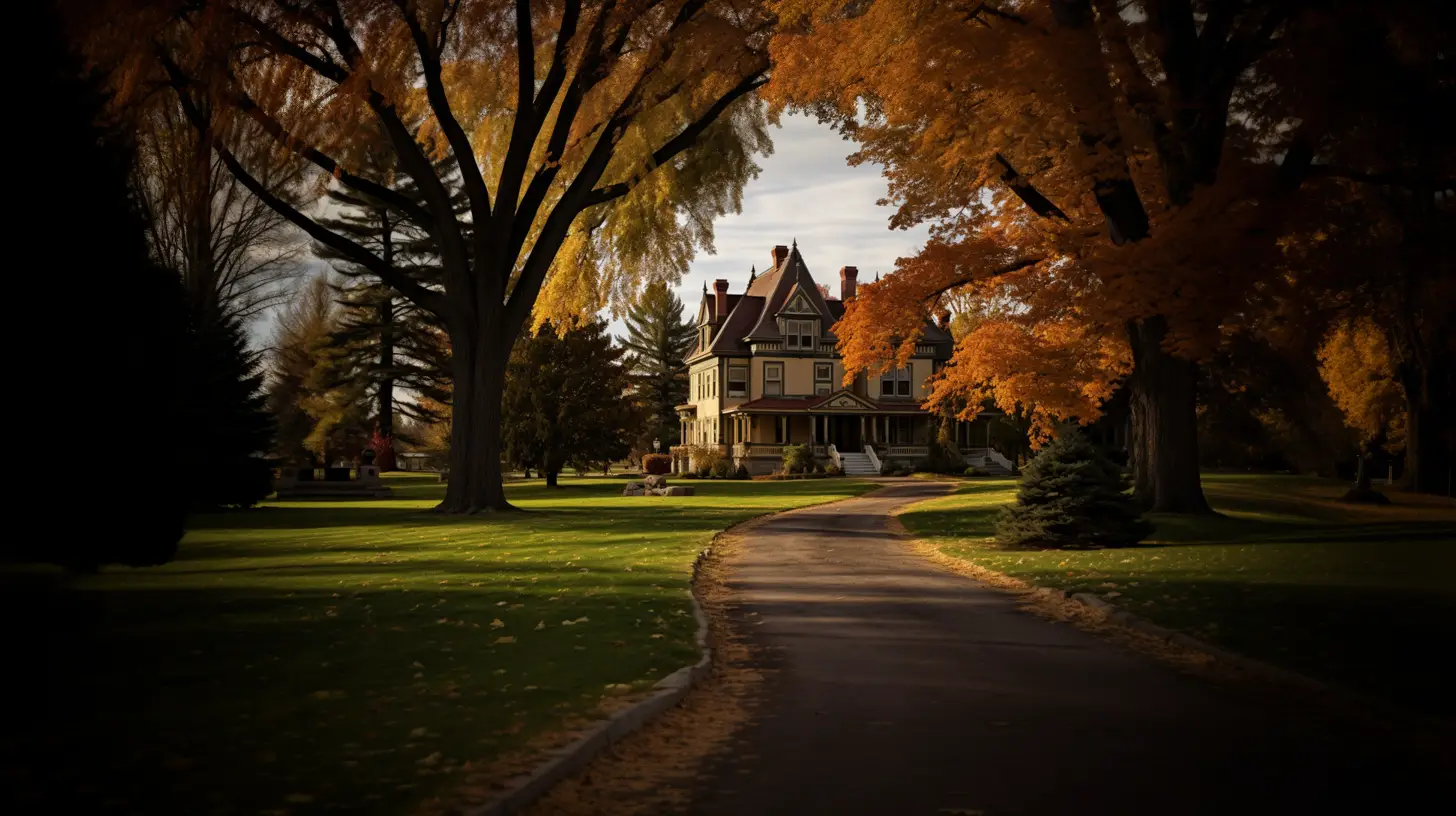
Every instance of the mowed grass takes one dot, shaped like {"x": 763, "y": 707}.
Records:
{"x": 320, "y": 656}
{"x": 1358, "y": 595}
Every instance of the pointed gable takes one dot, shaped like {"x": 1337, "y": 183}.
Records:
{"x": 779, "y": 287}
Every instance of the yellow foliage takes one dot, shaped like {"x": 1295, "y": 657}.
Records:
{"x": 1359, "y": 370}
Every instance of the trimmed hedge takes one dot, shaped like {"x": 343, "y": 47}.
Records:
{"x": 657, "y": 464}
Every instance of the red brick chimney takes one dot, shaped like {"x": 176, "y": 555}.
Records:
{"x": 780, "y": 253}
{"x": 848, "y": 276}
{"x": 720, "y": 299}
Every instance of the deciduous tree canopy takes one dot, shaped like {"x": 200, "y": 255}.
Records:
{"x": 1125, "y": 167}
{"x": 595, "y": 144}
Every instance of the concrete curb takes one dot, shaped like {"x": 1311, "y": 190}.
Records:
{"x": 569, "y": 759}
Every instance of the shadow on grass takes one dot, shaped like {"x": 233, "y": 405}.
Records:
{"x": 232, "y": 699}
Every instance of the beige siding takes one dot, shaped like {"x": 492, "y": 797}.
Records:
{"x": 705, "y": 389}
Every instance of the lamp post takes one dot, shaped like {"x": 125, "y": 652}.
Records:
{"x": 656, "y": 445}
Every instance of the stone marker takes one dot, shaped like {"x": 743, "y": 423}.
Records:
{"x": 654, "y": 481}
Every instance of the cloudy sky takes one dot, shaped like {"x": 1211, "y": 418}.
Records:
{"x": 806, "y": 192}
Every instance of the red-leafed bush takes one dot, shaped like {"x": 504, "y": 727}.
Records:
{"x": 383, "y": 447}
{"x": 657, "y": 463}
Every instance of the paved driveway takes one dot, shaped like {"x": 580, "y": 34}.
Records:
{"x": 903, "y": 689}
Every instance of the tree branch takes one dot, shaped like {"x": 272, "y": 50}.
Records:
{"x": 422, "y": 296}
{"x": 275, "y": 129}
{"x": 475, "y": 187}
{"x": 1027, "y": 192}
{"x": 682, "y": 141}
{"x": 977, "y": 277}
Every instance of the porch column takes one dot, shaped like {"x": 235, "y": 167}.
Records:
{"x": 862, "y": 424}
{"x": 813, "y": 430}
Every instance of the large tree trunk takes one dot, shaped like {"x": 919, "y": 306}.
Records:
{"x": 386, "y": 363}
{"x": 1429, "y": 456}
{"x": 478, "y": 364}
{"x": 1164, "y": 444}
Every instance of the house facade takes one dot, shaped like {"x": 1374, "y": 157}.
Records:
{"x": 766, "y": 373}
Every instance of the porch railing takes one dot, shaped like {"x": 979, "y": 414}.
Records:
{"x": 907, "y": 450}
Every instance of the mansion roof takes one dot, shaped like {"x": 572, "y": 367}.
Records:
{"x": 787, "y": 288}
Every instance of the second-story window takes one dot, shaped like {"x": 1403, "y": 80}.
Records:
{"x": 773, "y": 379}
{"x": 823, "y": 374}
{"x": 799, "y": 334}
{"x": 737, "y": 380}
{"x": 895, "y": 383}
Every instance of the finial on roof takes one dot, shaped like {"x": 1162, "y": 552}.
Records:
{"x": 877, "y": 277}
{"x": 705, "y": 287}
{"x": 752, "y": 273}
{"x": 796, "y": 243}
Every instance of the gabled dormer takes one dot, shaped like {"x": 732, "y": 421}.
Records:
{"x": 800, "y": 321}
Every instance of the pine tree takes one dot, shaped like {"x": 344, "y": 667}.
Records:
{"x": 226, "y": 426}
{"x": 384, "y": 345}
{"x": 659, "y": 339}
{"x": 1072, "y": 496}
{"x": 564, "y": 403}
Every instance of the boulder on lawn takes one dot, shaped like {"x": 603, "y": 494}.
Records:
{"x": 654, "y": 481}
{"x": 634, "y": 489}
{"x": 676, "y": 490}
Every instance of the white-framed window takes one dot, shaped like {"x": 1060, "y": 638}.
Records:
{"x": 895, "y": 383}
{"x": 706, "y": 337}
{"x": 799, "y": 334}
{"x": 737, "y": 380}
{"x": 773, "y": 379}
{"x": 823, "y": 378}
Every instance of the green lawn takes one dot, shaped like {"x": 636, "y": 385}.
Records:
{"x": 1362, "y": 596}
{"x": 317, "y": 656}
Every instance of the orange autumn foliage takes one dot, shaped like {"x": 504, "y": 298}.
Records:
{"x": 1050, "y": 371}
{"x": 1140, "y": 159}
{"x": 1357, "y": 365}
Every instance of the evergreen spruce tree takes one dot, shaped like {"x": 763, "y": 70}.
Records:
{"x": 384, "y": 345}
{"x": 563, "y": 401}
{"x": 1072, "y": 496}
{"x": 226, "y": 428}
{"x": 659, "y": 339}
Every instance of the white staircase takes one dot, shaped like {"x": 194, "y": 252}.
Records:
{"x": 857, "y": 464}
{"x": 988, "y": 460}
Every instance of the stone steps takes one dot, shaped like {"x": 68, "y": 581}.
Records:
{"x": 976, "y": 457}
{"x": 857, "y": 464}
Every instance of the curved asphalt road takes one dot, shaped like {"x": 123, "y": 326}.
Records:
{"x": 903, "y": 689}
